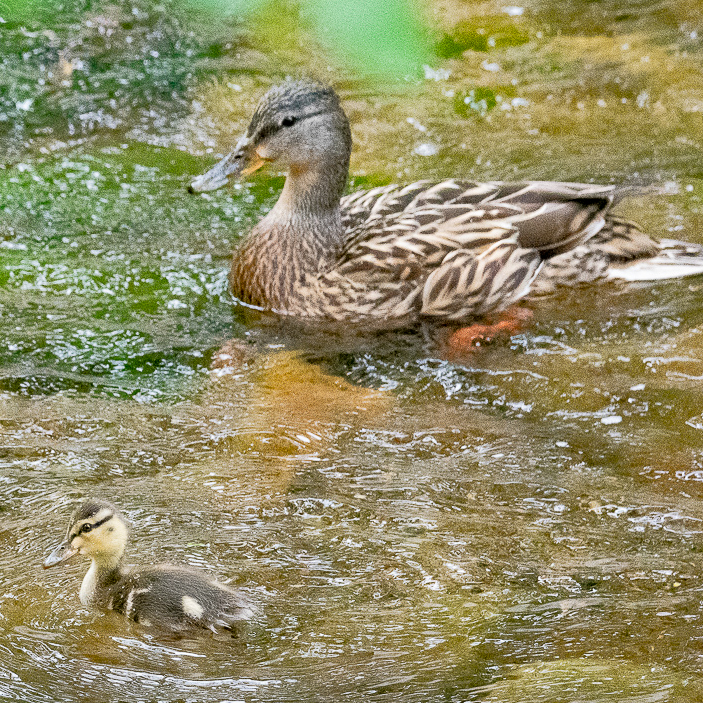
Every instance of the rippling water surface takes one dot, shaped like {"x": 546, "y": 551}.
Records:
{"x": 524, "y": 525}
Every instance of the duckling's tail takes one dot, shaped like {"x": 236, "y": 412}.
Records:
{"x": 673, "y": 260}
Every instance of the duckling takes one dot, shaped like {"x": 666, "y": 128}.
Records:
{"x": 168, "y": 597}
{"x": 401, "y": 254}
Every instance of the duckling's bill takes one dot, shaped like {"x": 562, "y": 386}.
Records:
{"x": 241, "y": 161}
{"x": 62, "y": 553}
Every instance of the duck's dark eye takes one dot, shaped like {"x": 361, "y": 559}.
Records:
{"x": 86, "y": 528}
{"x": 288, "y": 121}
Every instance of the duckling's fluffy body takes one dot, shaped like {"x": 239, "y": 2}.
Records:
{"x": 165, "y": 596}
{"x": 397, "y": 255}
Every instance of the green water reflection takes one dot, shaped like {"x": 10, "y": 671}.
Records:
{"x": 525, "y": 526}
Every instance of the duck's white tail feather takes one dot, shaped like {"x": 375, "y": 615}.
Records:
{"x": 675, "y": 260}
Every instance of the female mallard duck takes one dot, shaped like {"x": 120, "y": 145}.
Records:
{"x": 168, "y": 597}
{"x": 395, "y": 255}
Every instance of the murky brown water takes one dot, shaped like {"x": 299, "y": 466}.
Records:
{"x": 522, "y": 527}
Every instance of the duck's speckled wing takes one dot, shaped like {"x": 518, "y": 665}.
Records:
{"x": 469, "y": 248}
{"x": 550, "y": 217}
{"x": 463, "y": 282}
{"x": 619, "y": 245}
{"x": 621, "y": 250}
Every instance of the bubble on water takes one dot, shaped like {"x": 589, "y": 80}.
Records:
{"x": 491, "y": 66}
{"x": 643, "y": 99}
{"x": 176, "y": 304}
{"x": 436, "y": 74}
{"x": 426, "y": 149}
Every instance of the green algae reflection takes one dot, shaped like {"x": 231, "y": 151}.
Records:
{"x": 384, "y": 38}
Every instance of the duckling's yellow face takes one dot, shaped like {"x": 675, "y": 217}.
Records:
{"x": 98, "y": 530}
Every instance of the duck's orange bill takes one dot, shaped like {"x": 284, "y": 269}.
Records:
{"x": 256, "y": 163}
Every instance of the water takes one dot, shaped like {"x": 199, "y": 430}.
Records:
{"x": 525, "y": 525}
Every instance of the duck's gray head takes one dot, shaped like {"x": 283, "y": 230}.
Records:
{"x": 298, "y": 125}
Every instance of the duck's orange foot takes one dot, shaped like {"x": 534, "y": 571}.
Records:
{"x": 467, "y": 340}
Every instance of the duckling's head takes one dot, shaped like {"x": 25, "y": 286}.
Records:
{"x": 98, "y": 530}
{"x": 298, "y": 125}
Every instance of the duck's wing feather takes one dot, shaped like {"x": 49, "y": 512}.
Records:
{"x": 462, "y": 283}
{"x": 468, "y": 284}
{"x": 456, "y": 249}
{"x": 549, "y": 217}
{"x": 621, "y": 250}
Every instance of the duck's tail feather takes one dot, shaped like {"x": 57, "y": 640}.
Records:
{"x": 675, "y": 260}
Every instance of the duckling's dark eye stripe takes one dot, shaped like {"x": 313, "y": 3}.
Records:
{"x": 93, "y": 526}
{"x": 101, "y": 522}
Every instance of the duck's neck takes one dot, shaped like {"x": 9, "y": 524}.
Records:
{"x": 104, "y": 571}
{"x": 302, "y": 235}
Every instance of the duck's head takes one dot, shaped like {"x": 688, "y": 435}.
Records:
{"x": 98, "y": 530}
{"x": 298, "y": 125}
